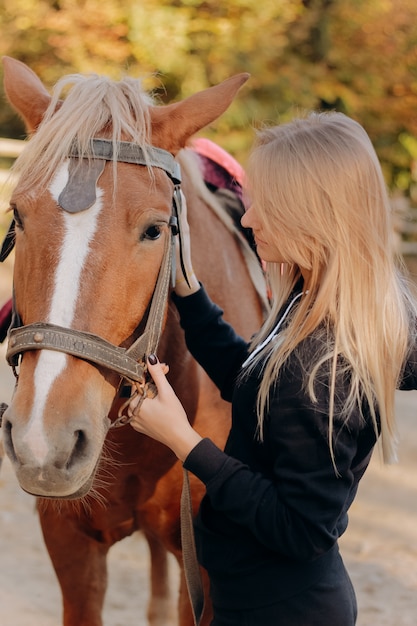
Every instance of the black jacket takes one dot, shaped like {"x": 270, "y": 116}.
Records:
{"x": 274, "y": 509}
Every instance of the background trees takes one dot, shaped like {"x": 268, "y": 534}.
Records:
{"x": 358, "y": 56}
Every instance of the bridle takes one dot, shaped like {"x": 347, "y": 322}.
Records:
{"x": 129, "y": 363}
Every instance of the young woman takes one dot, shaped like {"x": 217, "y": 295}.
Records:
{"x": 313, "y": 391}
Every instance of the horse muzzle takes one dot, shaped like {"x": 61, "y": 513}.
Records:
{"x": 60, "y": 462}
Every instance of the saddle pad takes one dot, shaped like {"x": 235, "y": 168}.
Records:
{"x": 220, "y": 169}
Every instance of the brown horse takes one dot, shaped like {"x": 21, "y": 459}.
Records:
{"x": 93, "y": 221}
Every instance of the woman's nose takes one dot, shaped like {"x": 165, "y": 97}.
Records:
{"x": 247, "y": 219}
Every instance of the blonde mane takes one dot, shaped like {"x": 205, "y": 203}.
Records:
{"x": 94, "y": 106}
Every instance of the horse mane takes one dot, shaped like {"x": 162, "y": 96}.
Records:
{"x": 93, "y": 106}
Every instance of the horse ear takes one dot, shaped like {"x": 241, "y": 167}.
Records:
{"x": 174, "y": 124}
{"x": 25, "y": 92}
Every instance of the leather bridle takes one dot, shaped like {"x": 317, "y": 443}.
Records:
{"x": 129, "y": 363}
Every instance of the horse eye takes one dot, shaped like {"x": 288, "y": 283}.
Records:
{"x": 17, "y": 220}
{"x": 152, "y": 233}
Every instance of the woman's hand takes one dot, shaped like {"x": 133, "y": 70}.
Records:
{"x": 163, "y": 418}
{"x": 181, "y": 287}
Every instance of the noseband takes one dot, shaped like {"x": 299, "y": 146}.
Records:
{"x": 129, "y": 363}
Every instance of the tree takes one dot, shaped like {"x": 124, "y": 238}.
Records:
{"x": 358, "y": 56}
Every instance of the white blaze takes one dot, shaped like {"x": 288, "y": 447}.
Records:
{"x": 79, "y": 230}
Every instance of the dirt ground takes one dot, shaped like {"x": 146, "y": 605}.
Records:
{"x": 379, "y": 547}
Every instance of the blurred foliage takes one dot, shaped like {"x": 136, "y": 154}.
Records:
{"x": 357, "y": 56}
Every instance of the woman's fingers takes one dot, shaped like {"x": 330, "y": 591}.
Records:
{"x": 149, "y": 415}
{"x": 158, "y": 371}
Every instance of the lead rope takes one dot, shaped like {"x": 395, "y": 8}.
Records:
{"x": 192, "y": 570}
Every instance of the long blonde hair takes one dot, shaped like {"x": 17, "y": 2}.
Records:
{"x": 317, "y": 183}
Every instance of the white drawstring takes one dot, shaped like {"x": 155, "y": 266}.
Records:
{"x": 274, "y": 331}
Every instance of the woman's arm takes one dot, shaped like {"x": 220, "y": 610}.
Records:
{"x": 301, "y": 510}
{"x": 298, "y": 506}
{"x": 211, "y": 340}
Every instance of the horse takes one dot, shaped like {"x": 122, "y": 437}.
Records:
{"x": 102, "y": 178}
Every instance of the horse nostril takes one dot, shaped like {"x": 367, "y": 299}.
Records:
{"x": 78, "y": 450}
{"x": 80, "y": 447}
{"x": 3, "y": 409}
{"x": 8, "y": 441}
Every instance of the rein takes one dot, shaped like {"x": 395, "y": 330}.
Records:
{"x": 129, "y": 363}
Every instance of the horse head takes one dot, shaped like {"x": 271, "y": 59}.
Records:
{"x": 91, "y": 230}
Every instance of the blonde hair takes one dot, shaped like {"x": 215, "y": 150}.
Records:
{"x": 317, "y": 183}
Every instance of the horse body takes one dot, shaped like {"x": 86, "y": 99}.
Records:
{"x": 95, "y": 270}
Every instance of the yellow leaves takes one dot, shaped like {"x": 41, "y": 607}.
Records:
{"x": 359, "y": 56}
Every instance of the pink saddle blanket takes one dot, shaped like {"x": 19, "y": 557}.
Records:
{"x": 220, "y": 170}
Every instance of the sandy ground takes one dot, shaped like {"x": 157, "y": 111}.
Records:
{"x": 379, "y": 547}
